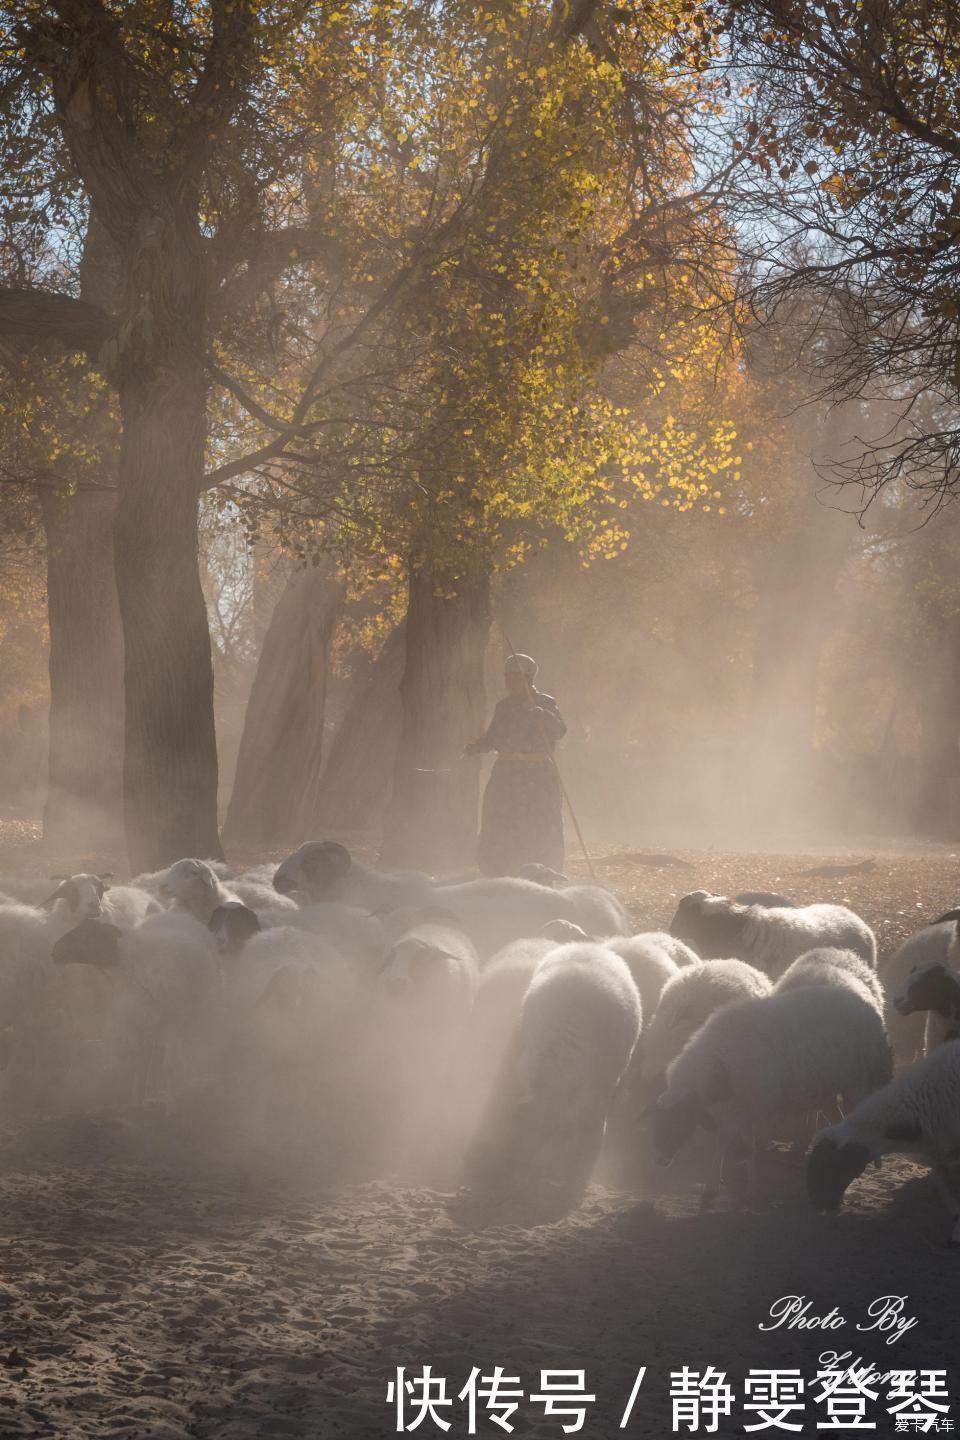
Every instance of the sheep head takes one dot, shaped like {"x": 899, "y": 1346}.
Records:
{"x": 232, "y": 925}
{"x": 92, "y": 942}
{"x": 192, "y": 886}
{"x": 832, "y": 1166}
{"x": 930, "y": 987}
{"x": 82, "y": 895}
{"x": 711, "y": 925}
{"x": 319, "y": 867}
{"x": 411, "y": 963}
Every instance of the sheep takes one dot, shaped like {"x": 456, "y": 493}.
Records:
{"x": 288, "y": 991}
{"x": 191, "y": 886}
{"x": 770, "y": 900}
{"x": 571, "y": 1046}
{"x": 259, "y": 895}
{"x": 925, "y": 947}
{"x": 494, "y": 912}
{"x": 91, "y": 897}
{"x": 168, "y": 971}
{"x": 679, "y": 952}
{"x": 768, "y": 937}
{"x": 37, "y": 1025}
{"x": 650, "y": 963}
{"x": 421, "y": 1007}
{"x": 687, "y": 1000}
{"x": 918, "y": 1112}
{"x": 758, "y": 1063}
{"x": 503, "y": 983}
{"x": 828, "y": 966}
{"x": 935, "y": 989}
{"x": 324, "y": 870}
{"x": 232, "y": 925}
{"x": 356, "y": 933}
{"x": 496, "y": 1008}
{"x": 435, "y": 962}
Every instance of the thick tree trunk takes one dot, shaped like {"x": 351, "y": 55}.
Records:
{"x": 793, "y": 619}
{"x": 83, "y": 814}
{"x": 939, "y": 797}
{"x": 796, "y": 577}
{"x": 432, "y": 818}
{"x": 357, "y": 780}
{"x": 170, "y": 761}
{"x": 278, "y": 767}
{"x": 84, "y": 808}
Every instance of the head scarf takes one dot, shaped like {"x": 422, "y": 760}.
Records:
{"x": 521, "y": 665}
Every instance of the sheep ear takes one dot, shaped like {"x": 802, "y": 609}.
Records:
{"x": 104, "y": 875}
{"x": 907, "y": 1130}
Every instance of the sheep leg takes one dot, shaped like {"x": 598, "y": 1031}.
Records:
{"x": 950, "y": 1199}
{"x": 715, "y": 1174}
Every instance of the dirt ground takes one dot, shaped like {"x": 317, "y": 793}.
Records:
{"x": 162, "y": 1299}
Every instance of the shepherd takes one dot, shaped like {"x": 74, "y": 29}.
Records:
{"x": 522, "y": 819}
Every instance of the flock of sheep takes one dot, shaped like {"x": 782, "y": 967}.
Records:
{"x": 503, "y": 1034}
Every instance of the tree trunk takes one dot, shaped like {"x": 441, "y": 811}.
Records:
{"x": 432, "y": 817}
{"x": 170, "y": 760}
{"x": 796, "y": 577}
{"x": 278, "y": 767}
{"x": 356, "y": 782}
{"x": 83, "y": 814}
{"x": 939, "y": 800}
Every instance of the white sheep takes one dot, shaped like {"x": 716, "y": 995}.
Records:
{"x": 496, "y": 1009}
{"x": 260, "y": 895}
{"x": 572, "y": 1044}
{"x": 679, "y": 952}
{"x": 918, "y": 1112}
{"x": 420, "y": 1017}
{"x": 495, "y": 911}
{"x": 651, "y": 965}
{"x": 167, "y": 971}
{"x": 191, "y": 886}
{"x": 928, "y": 946}
{"x": 36, "y": 1024}
{"x": 688, "y": 1000}
{"x": 760, "y": 1065}
{"x": 433, "y": 963}
{"x": 290, "y": 1001}
{"x": 358, "y": 935}
{"x": 829, "y": 966}
{"x": 324, "y": 870}
{"x": 491, "y": 911}
{"x": 935, "y": 989}
{"x": 769, "y": 937}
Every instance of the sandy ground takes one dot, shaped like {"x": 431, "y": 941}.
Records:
{"x": 146, "y": 1294}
